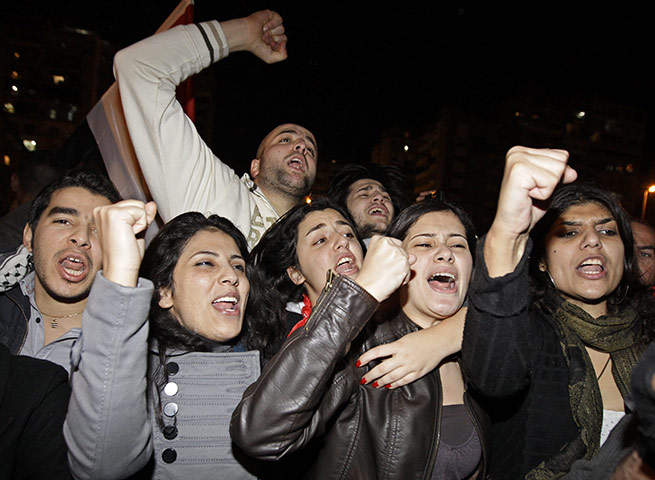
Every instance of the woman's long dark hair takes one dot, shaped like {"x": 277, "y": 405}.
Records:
{"x": 158, "y": 265}
{"x": 564, "y": 198}
{"x": 407, "y": 218}
{"x": 276, "y": 251}
{"x": 629, "y": 288}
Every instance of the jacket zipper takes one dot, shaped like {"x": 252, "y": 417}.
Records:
{"x": 25, "y": 318}
{"x": 437, "y": 427}
{"x": 329, "y": 283}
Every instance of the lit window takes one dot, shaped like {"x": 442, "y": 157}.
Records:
{"x": 406, "y": 148}
{"x": 7, "y": 160}
{"x": 9, "y": 107}
{"x": 580, "y": 114}
{"x": 71, "y": 113}
{"x": 14, "y": 88}
{"x": 58, "y": 79}
{"x": 30, "y": 144}
{"x": 52, "y": 114}
{"x": 16, "y": 55}
{"x": 14, "y": 75}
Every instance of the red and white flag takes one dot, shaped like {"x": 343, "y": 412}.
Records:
{"x": 107, "y": 123}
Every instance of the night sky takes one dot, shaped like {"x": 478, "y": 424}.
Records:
{"x": 356, "y": 69}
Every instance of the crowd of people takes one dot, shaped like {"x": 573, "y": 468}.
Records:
{"x": 359, "y": 336}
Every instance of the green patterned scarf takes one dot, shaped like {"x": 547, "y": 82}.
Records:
{"x": 617, "y": 335}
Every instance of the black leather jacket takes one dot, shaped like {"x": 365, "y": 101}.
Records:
{"x": 310, "y": 390}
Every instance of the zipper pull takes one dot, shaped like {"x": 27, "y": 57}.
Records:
{"x": 331, "y": 275}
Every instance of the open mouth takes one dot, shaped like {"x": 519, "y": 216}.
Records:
{"x": 296, "y": 163}
{"x": 346, "y": 265}
{"x": 73, "y": 268}
{"x": 591, "y": 266}
{"x": 443, "y": 282}
{"x": 378, "y": 211}
{"x": 227, "y": 304}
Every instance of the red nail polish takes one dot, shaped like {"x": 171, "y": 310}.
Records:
{"x": 363, "y": 381}
{"x": 358, "y": 364}
{"x": 388, "y": 385}
{"x": 375, "y": 385}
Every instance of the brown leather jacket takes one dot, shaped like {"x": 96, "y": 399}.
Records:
{"x": 309, "y": 390}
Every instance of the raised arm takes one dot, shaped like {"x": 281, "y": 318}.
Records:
{"x": 498, "y": 338}
{"x": 530, "y": 174}
{"x": 530, "y": 177}
{"x": 107, "y": 427}
{"x": 299, "y": 391}
{"x": 181, "y": 171}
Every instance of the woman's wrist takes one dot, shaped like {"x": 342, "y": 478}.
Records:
{"x": 503, "y": 252}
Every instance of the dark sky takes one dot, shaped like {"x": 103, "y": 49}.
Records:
{"x": 355, "y": 68}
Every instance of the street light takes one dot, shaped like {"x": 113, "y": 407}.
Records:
{"x": 650, "y": 189}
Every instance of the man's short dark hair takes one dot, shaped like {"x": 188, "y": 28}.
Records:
{"x": 89, "y": 180}
{"x": 390, "y": 176}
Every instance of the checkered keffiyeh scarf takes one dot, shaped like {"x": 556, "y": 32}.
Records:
{"x": 13, "y": 267}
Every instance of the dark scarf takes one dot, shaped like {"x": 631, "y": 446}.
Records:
{"x": 617, "y": 335}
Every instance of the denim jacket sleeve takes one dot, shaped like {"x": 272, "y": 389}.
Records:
{"x": 298, "y": 392}
{"x": 107, "y": 427}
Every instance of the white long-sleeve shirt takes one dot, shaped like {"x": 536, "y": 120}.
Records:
{"x": 181, "y": 171}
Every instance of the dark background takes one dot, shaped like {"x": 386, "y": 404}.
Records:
{"x": 356, "y": 68}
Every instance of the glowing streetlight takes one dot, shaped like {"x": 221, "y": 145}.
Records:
{"x": 650, "y": 189}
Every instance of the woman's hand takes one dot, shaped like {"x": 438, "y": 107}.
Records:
{"x": 385, "y": 267}
{"x": 414, "y": 355}
{"x": 122, "y": 251}
{"x": 531, "y": 175}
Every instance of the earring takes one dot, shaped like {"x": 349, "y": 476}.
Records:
{"x": 550, "y": 277}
